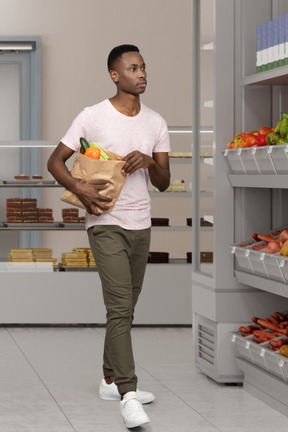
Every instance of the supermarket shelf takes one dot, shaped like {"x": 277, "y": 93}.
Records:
{"x": 187, "y": 194}
{"x": 277, "y": 76}
{"x": 30, "y": 184}
{"x": 58, "y": 226}
{"x": 180, "y": 160}
{"x": 259, "y": 181}
{"x": 264, "y": 386}
{"x": 262, "y": 283}
{"x": 171, "y": 194}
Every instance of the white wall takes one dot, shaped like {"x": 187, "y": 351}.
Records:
{"x": 77, "y": 37}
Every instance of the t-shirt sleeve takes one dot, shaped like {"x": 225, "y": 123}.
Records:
{"x": 163, "y": 142}
{"x": 77, "y": 130}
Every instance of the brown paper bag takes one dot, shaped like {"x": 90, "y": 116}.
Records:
{"x": 97, "y": 171}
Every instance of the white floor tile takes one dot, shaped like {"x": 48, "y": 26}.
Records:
{"x": 49, "y": 380}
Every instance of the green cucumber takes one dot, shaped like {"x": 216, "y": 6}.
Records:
{"x": 103, "y": 154}
{"x": 84, "y": 144}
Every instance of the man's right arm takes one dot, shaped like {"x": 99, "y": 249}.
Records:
{"x": 87, "y": 193}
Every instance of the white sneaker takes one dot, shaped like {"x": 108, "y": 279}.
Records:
{"x": 132, "y": 411}
{"x": 110, "y": 392}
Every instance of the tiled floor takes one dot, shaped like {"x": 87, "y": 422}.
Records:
{"x": 49, "y": 381}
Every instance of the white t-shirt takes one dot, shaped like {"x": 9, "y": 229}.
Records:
{"x": 121, "y": 134}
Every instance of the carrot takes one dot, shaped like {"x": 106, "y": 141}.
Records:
{"x": 273, "y": 320}
{"x": 258, "y": 339}
{"x": 264, "y": 334}
{"x": 267, "y": 324}
{"x": 277, "y": 343}
{"x": 258, "y": 247}
{"x": 280, "y": 316}
{"x": 266, "y": 238}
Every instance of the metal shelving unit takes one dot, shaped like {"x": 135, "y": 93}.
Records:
{"x": 244, "y": 202}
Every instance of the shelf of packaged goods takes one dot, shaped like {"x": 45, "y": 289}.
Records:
{"x": 207, "y": 159}
{"x": 262, "y": 283}
{"x": 259, "y": 181}
{"x": 178, "y": 228}
{"x": 58, "y": 226}
{"x": 277, "y": 76}
{"x": 30, "y": 185}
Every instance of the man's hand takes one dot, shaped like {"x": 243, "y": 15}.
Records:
{"x": 90, "y": 195}
{"x": 158, "y": 167}
{"x": 136, "y": 160}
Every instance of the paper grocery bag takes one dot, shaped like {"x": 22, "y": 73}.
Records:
{"x": 97, "y": 171}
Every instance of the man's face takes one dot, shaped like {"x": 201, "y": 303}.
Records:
{"x": 129, "y": 73}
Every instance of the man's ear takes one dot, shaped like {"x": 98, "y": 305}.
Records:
{"x": 114, "y": 76}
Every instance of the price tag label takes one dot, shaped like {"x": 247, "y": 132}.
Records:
{"x": 247, "y": 253}
{"x": 253, "y": 151}
{"x": 247, "y": 345}
{"x": 281, "y": 264}
{"x": 262, "y": 352}
{"x": 225, "y": 152}
{"x": 281, "y": 363}
{"x": 233, "y": 250}
{"x": 233, "y": 338}
{"x": 262, "y": 256}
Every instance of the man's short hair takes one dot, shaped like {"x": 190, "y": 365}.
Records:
{"x": 117, "y": 52}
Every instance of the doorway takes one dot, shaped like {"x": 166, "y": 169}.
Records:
{"x": 20, "y": 121}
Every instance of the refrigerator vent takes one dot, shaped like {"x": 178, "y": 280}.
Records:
{"x": 206, "y": 343}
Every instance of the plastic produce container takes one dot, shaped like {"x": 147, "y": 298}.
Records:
{"x": 283, "y": 264}
{"x": 242, "y": 257}
{"x": 258, "y": 351}
{"x": 264, "y": 160}
{"x": 258, "y": 263}
{"x": 249, "y": 161}
{"x": 279, "y": 156}
{"x": 243, "y": 345}
{"x": 275, "y": 363}
{"x": 233, "y": 157}
{"x": 272, "y": 264}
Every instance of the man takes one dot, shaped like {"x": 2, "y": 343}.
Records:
{"x": 120, "y": 238}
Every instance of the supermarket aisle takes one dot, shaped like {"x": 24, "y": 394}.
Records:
{"x": 49, "y": 382}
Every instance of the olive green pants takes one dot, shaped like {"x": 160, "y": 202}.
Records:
{"x": 121, "y": 257}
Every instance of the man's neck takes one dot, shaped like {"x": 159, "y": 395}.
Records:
{"x": 128, "y": 105}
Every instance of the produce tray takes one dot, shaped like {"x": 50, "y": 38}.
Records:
{"x": 243, "y": 345}
{"x": 261, "y": 355}
{"x": 271, "y": 266}
{"x": 258, "y": 160}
